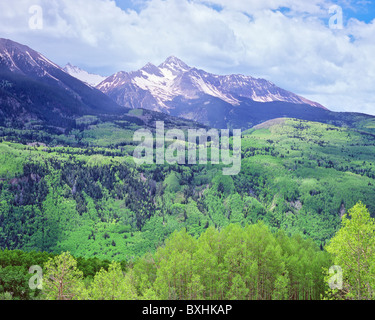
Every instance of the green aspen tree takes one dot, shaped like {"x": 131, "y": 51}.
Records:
{"x": 112, "y": 285}
{"x": 353, "y": 249}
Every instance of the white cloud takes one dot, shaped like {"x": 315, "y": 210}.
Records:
{"x": 296, "y": 50}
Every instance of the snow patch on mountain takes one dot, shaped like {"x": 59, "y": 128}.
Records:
{"x": 84, "y": 76}
{"x": 174, "y": 78}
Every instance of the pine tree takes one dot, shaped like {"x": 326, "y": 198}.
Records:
{"x": 62, "y": 279}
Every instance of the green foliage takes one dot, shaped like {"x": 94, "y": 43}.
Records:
{"x": 111, "y": 284}
{"x": 239, "y": 263}
{"x": 353, "y": 249}
{"x": 62, "y": 279}
{"x": 223, "y": 185}
{"x": 172, "y": 182}
{"x": 81, "y": 192}
{"x": 236, "y": 262}
{"x": 296, "y": 175}
{"x": 6, "y": 296}
{"x": 307, "y": 174}
{"x": 15, "y": 276}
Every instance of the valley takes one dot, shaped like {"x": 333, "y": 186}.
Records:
{"x": 70, "y": 189}
{"x": 295, "y": 175}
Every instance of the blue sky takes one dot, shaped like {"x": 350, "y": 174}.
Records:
{"x": 289, "y": 42}
{"x": 136, "y": 5}
{"x": 362, "y": 10}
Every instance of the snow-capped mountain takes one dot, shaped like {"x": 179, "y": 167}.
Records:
{"x": 20, "y": 59}
{"x": 36, "y": 91}
{"x": 34, "y": 88}
{"x": 157, "y": 87}
{"x": 84, "y": 76}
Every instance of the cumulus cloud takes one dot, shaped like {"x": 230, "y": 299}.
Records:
{"x": 286, "y": 41}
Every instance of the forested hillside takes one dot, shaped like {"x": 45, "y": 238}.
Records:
{"x": 93, "y": 201}
{"x": 82, "y": 193}
{"x": 235, "y": 263}
{"x": 239, "y": 263}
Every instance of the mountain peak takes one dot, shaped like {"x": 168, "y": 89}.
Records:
{"x": 159, "y": 88}
{"x": 86, "y": 77}
{"x": 151, "y": 69}
{"x": 68, "y": 67}
{"x": 9, "y": 44}
{"x": 173, "y": 59}
{"x": 42, "y": 91}
{"x": 20, "y": 58}
{"x": 175, "y": 64}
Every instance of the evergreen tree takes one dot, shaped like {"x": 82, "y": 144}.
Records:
{"x": 62, "y": 279}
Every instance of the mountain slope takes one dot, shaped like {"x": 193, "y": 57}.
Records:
{"x": 33, "y": 89}
{"x": 35, "y": 93}
{"x": 232, "y": 101}
{"x": 174, "y": 85}
{"x": 86, "y": 77}
{"x": 295, "y": 175}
